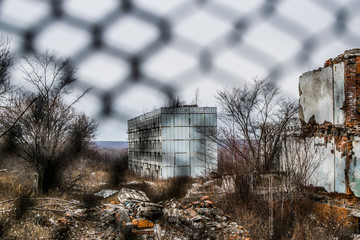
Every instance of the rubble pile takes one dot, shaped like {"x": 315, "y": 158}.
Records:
{"x": 199, "y": 220}
{"x": 133, "y": 216}
{"x": 131, "y": 195}
{"x": 198, "y": 190}
{"x": 53, "y": 218}
{"x": 101, "y": 222}
{"x": 105, "y": 193}
{"x": 138, "y": 218}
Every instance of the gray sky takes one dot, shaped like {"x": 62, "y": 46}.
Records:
{"x": 266, "y": 44}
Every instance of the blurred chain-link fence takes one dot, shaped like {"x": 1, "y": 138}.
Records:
{"x": 167, "y": 45}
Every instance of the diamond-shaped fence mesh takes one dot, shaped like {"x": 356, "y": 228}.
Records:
{"x": 163, "y": 47}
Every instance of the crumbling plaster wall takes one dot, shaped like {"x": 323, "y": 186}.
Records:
{"x": 339, "y": 93}
{"x": 316, "y": 94}
{"x": 354, "y": 169}
{"x": 330, "y": 113}
{"x": 322, "y": 95}
{"x": 324, "y": 175}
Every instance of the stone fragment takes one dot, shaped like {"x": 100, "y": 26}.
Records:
{"x": 131, "y": 195}
{"x": 205, "y": 198}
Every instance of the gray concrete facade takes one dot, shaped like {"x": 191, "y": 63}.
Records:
{"x": 171, "y": 142}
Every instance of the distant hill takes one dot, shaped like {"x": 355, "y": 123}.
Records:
{"x": 111, "y": 144}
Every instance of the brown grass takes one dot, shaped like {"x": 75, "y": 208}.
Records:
{"x": 84, "y": 178}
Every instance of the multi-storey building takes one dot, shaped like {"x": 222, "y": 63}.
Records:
{"x": 170, "y": 142}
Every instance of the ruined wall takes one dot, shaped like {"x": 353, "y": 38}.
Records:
{"x": 325, "y": 172}
{"x": 330, "y": 113}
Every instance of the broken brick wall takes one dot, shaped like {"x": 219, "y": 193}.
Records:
{"x": 349, "y": 84}
{"x": 352, "y": 91}
{"x": 330, "y": 110}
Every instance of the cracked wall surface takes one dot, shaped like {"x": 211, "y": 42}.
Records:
{"x": 330, "y": 113}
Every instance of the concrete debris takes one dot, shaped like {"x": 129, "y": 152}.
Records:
{"x": 153, "y": 185}
{"x": 199, "y": 220}
{"x": 135, "y": 217}
{"x": 228, "y": 183}
{"x": 149, "y": 212}
{"x": 356, "y": 237}
{"x": 131, "y": 195}
{"x": 133, "y": 183}
{"x": 199, "y": 190}
{"x": 105, "y": 193}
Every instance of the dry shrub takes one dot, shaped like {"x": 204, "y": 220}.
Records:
{"x": 17, "y": 180}
{"x": 61, "y": 233}
{"x": 74, "y": 174}
{"x": 6, "y": 188}
{"x": 4, "y": 227}
{"x": 163, "y": 190}
{"x": 253, "y": 215}
{"x": 89, "y": 199}
{"x": 292, "y": 219}
{"x": 106, "y": 168}
{"x": 311, "y": 228}
{"x": 117, "y": 168}
{"x": 176, "y": 187}
{"x": 22, "y": 205}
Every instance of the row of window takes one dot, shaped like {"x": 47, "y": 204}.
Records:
{"x": 188, "y": 120}
{"x": 145, "y": 146}
{"x": 149, "y": 123}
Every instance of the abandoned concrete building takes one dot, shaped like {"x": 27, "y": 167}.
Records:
{"x": 330, "y": 115}
{"x": 170, "y": 142}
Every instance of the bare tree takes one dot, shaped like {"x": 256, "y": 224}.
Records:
{"x": 6, "y": 62}
{"x": 6, "y": 87}
{"x": 50, "y": 134}
{"x": 300, "y": 159}
{"x": 254, "y": 120}
{"x": 262, "y": 145}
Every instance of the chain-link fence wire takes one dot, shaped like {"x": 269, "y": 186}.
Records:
{"x": 239, "y": 25}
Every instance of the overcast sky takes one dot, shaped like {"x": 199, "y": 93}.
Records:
{"x": 267, "y": 43}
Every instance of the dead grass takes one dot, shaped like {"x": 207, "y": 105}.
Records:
{"x": 292, "y": 220}
{"x": 162, "y": 190}
{"x": 253, "y": 214}
{"x": 19, "y": 219}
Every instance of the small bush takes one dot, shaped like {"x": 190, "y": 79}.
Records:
{"x": 22, "y": 205}
{"x": 4, "y": 227}
{"x": 118, "y": 169}
{"x": 176, "y": 187}
{"x": 62, "y": 233}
